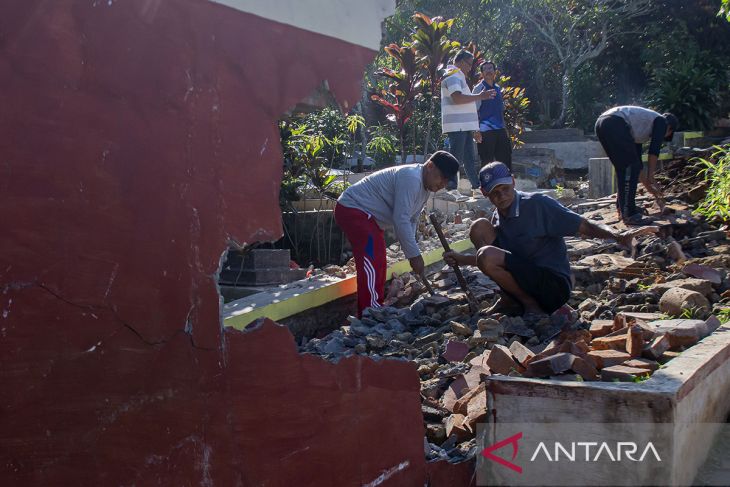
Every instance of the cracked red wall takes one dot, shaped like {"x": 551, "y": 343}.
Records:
{"x": 137, "y": 137}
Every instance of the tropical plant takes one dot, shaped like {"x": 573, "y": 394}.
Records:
{"x": 383, "y": 145}
{"x": 433, "y": 50}
{"x": 690, "y": 90}
{"x": 725, "y": 9}
{"x": 516, "y": 106}
{"x": 716, "y": 170}
{"x": 402, "y": 88}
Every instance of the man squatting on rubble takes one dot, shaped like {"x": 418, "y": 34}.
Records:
{"x": 621, "y": 131}
{"x": 522, "y": 248}
{"x": 395, "y": 197}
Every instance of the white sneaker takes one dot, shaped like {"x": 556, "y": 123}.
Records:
{"x": 477, "y": 193}
{"x": 456, "y": 195}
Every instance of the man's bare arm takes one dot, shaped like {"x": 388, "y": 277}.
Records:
{"x": 590, "y": 229}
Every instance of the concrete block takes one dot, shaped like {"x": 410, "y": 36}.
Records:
{"x": 267, "y": 259}
{"x": 601, "y": 177}
{"x": 676, "y": 300}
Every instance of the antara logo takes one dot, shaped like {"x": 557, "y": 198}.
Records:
{"x": 587, "y": 451}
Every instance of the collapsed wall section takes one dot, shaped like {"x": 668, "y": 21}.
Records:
{"x": 138, "y": 138}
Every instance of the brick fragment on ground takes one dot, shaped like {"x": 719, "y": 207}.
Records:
{"x": 460, "y": 406}
{"x": 701, "y": 286}
{"x": 642, "y": 363}
{"x": 703, "y": 272}
{"x": 635, "y": 341}
{"x": 501, "y": 361}
{"x": 521, "y": 353}
{"x": 455, "y": 351}
{"x": 617, "y": 342}
{"x": 681, "y": 332}
{"x": 601, "y": 328}
{"x": 476, "y": 411}
{"x": 455, "y": 426}
{"x": 552, "y": 365}
{"x": 656, "y": 348}
{"x": 461, "y": 329}
{"x": 608, "y": 358}
{"x": 584, "y": 368}
{"x": 622, "y": 373}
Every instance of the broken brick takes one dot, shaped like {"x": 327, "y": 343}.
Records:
{"x": 460, "y": 406}
{"x": 712, "y": 323}
{"x": 617, "y": 342}
{"x": 455, "y": 351}
{"x": 635, "y": 341}
{"x": 608, "y": 358}
{"x": 583, "y": 368}
{"x": 453, "y": 392}
{"x": 480, "y": 360}
{"x": 699, "y": 285}
{"x": 553, "y": 365}
{"x": 501, "y": 361}
{"x": 703, "y": 272}
{"x": 461, "y": 329}
{"x": 642, "y": 363}
{"x": 455, "y": 426}
{"x": 646, "y": 317}
{"x": 601, "y": 328}
{"x": 476, "y": 411}
{"x": 682, "y": 333}
{"x": 623, "y": 373}
{"x": 656, "y": 348}
{"x": 521, "y": 353}
{"x": 475, "y": 376}
{"x": 487, "y": 324}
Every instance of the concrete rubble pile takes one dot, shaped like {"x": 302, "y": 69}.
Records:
{"x": 629, "y": 314}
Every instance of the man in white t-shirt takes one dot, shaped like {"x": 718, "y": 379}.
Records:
{"x": 459, "y": 120}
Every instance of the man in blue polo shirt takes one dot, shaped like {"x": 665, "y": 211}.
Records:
{"x": 522, "y": 247}
{"x": 493, "y": 142}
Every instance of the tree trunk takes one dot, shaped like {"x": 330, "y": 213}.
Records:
{"x": 427, "y": 142}
{"x": 565, "y": 95}
{"x": 414, "y": 139}
{"x": 402, "y": 146}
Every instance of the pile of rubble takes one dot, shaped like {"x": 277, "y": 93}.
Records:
{"x": 629, "y": 314}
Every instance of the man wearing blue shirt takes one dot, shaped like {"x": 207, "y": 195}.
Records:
{"x": 493, "y": 142}
{"x": 522, "y": 247}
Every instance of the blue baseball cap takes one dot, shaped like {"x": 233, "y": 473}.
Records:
{"x": 494, "y": 174}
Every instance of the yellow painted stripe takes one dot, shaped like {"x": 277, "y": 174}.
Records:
{"x": 312, "y": 298}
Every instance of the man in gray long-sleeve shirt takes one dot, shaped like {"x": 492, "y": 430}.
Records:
{"x": 390, "y": 197}
{"x": 621, "y": 131}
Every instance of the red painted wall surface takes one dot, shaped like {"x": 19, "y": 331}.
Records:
{"x": 136, "y": 137}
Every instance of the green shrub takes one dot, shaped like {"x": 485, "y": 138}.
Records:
{"x": 716, "y": 170}
{"x": 690, "y": 89}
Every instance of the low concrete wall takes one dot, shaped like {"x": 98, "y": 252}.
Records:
{"x": 573, "y": 154}
{"x": 693, "y": 388}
